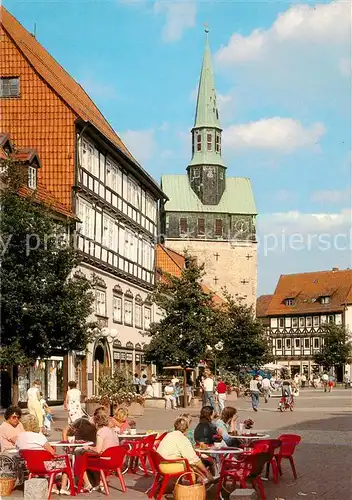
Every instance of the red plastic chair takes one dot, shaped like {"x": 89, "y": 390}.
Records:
{"x": 139, "y": 452}
{"x": 248, "y": 468}
{"x": 161, "y": 478}
{"x": 41, "y": 463}
{"x": 287, "y": 449}
{"x": 159, "y": 439}
{"x": 271, "y": 445}
{"x": 108, "y": 461}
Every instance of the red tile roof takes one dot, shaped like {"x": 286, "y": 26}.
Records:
{"x": 59, "y": 80}
{"x": 262, "y": 305}
{"x": 306, "y": 290}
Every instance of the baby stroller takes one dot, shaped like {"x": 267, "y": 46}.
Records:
{"x": 286, "y": 402}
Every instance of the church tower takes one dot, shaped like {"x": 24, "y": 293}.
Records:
{"x": 207, "y": 169}
{"x": 208, "y": 214}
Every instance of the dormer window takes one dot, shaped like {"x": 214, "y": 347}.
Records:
{"x": 199, "y": 142}
{"x": 325, "y": 299}
{"x": 218, "y": 143}
{"x": 32, "y": 177}
{"x": 289, "y": 302}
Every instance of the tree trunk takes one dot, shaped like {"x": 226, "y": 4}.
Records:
{"x": 15, "y": 393}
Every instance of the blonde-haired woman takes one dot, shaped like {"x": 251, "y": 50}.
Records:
{"x": 120, "y": 422}
{"x": 34, "y": 405}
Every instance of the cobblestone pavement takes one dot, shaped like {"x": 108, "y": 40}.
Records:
{"x": 323, "y": 459}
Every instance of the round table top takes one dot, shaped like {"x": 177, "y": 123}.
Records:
{"x": 133, "y": 436}
{"x": 218, "y": 451}
{"x": 261, "y": 435}
{"x": 68, "y": 445}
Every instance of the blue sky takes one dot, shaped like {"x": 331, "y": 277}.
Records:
{"x": 283, "y": 78}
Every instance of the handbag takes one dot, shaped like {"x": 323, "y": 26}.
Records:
{"x": 195, "y": 491}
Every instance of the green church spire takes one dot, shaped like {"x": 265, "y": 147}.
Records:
{"x": 207, "y": 112}
{"x": 206, "y": 132}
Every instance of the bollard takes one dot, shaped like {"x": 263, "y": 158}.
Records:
{"x": 243, "y": 495}
{"x": 36, "y": 489}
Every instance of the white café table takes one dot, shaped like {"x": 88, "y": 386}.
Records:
{"x": 57, "y": 444}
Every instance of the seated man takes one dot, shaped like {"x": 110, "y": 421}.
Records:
{"x": 176, "y": 445}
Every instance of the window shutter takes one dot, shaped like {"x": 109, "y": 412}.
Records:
{"x": 218, "y": 227}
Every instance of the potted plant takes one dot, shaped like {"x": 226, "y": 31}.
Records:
{"x": 114, "y": 391}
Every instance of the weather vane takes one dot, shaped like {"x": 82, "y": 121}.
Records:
{"x": 206, "y": 27}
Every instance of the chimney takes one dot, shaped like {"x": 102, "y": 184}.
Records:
{"x": 335, "y": 269}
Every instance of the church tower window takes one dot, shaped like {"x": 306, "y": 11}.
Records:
{"x": 199, "y": 142}
{"x": 183, "y": 225}
{"x": 218, "y": 144}
{"x": 209, "y": 142}
{"x": 218, "y": 227}
{"x": 201, "y": 226}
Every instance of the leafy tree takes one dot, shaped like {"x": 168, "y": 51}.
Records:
{"x": 244, "y": 341}
{"x": 44, "y": 304}
{"x": 337, "y": 348}
{"x": 186, "y": 328}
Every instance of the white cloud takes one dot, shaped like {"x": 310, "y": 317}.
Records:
{"x": 293, "y": 242}
{"x": 179, "y": 16}
{"x": 323, "y": 24}
{"x": 279, "y": 134}
{"x": 141, "y": 143}
{"x": 331, "y": 196}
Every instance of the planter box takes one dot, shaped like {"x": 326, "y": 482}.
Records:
{"x": 91, "y": 407}
{"x": 155, "y": 403}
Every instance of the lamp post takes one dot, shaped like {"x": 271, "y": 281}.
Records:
{"x": 217, "y": 348}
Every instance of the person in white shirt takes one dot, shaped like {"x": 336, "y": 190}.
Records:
{"x": 208, "y": 390}
{"x": 303, "y": 380}
{"x": 325, "y": 379}
{"x": 266, "y": 388}
{"x": 254, "y": 387}
{"x": 169, "y": 395}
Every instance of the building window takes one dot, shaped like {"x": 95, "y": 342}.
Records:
{"x": 117, "y": 309}
{"x": 138, "y": 315}
{"x": 196, "y": 173}
{"x": 147, "y": 317}
{"x": 316, "y": 343}
{"x": 279, "y": 344}
{"x": 218, "y": 143}
{"x": 209, "y": 142}
{"x": 281, "y": 322}
{"x": 9, "y": 86}
{"x": 297, "y": 343}
{"x": 32, "y": 177}
{"x": 221, "y": 175}
{"x": 301, "y": 323}
{"x": 109, "y": 232}
{"x": 86, "y": 214}
{"x": 183, "y": 225}
{"x": 288, "y": 343}
{"x": 150, "y": 208}
{"x": 309, "y": 321}
{"x": 89, "y": 158}
{"x": 128, "y": 317}
{"x": 201, "y": 226}
{"x": 218, "y": 227}
{"x": 331, "y": 318}
{"x": 113, "y": 177}
{"x": 315, "y": 320}
{"x": 306, "y": 343}
{"x": 199, "y": 142}
{"x": 294, "y": 322}
{"x": 325, "y": 300}
{"x": 289, "y": 302}
{"x": 100, "y": 302}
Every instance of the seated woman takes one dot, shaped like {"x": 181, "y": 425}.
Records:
{"x": 10, "y": 428}
{"x": 205, "y": 430}
{"x": 32, "y": 439}
{"x": 226, "y": 424}
{"x": 176, "y": 445}
{"x": 119, "y": 423}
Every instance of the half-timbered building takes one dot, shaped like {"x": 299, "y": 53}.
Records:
{"x": 295, "y": 313}
{"x": 88, "y": 168}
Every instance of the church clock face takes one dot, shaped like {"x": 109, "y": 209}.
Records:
{"x": 241, "y": 225}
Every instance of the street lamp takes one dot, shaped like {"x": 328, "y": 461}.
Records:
{"x": 217, "y": 348}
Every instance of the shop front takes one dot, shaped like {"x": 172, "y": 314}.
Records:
{"x": 50, "y": 372}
